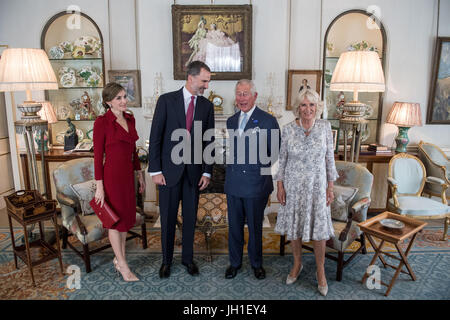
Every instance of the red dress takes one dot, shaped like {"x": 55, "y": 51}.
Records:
{"x": 117, "y": 172}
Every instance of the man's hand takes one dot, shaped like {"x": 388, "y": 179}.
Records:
{"x": 204, "y": 182}
{"x": 159, "y": 179}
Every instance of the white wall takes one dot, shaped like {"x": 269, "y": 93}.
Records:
{"x": 138, "y": 34}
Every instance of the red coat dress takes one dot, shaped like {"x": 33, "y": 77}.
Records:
{"x": 118, "y": 149}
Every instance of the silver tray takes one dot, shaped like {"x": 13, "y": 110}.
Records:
{"x": 392, "y": 223}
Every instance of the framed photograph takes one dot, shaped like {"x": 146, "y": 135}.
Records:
{"x": 299, "y": 79}
{"x": 219, "y": 35}
{"x": 439, "y": 100}
{"x": 130, "y": 80}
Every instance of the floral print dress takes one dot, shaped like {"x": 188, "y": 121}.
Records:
{"x": 306, "y": 164}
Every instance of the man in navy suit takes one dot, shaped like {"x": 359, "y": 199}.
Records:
{"x": 248, "y": 181}
{"x": 181, "y": 180}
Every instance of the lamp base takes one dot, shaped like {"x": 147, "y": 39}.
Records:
{"x": 402, "y": 139}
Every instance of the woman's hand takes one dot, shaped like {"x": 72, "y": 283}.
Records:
{"x": 330, "y": 194}
{"x": 141, "y": 182}
{"x": 281, "y": 194}
{"x": 99, "y": 193}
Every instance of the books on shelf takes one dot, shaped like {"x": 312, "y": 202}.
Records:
{"x": 378, "y": 147}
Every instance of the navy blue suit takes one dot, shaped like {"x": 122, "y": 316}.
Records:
{"x": 181, "y": 179}
{"x": 247, "y": 189}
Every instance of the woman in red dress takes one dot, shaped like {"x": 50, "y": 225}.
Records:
{"x": 115, "y": 160}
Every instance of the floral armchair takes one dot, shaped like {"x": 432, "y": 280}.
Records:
{"x": 407, "y": 178}
{"x": 87, "y": 228}
{"x": 437, "y": 165}
{"x": 350, "y": 175}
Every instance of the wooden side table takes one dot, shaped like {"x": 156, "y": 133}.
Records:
{"x": 23, "y": 251}
{"x": 373, "y": 228}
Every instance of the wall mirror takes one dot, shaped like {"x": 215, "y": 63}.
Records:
{"x": 353, "y": 30}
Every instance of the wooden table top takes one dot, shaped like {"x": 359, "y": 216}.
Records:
{"x": 373, "y": 227}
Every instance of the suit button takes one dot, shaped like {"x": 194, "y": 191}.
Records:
{"x": 243, "y": 171}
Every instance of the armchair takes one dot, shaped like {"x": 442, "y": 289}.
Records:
{"x": 436, "y": 165}
{"x": 86, "y": 228}
{"x": 351, "y": 175}
{"x": 406, "y": 179}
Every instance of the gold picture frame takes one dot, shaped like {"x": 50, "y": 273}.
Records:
{"x": 295, "y": 83}
{"x": 219, "y": 35}
{"x": 131, "y": 81}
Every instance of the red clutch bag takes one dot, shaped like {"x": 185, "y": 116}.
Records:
{"x": 106, "y": 215}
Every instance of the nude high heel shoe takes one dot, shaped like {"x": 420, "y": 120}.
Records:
{"x": 322, "y": 289}
{"x": 291, "y": 280}
{"x": 128, "y": 277}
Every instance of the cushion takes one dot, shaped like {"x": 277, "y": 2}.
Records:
{"x": 419, "y": 206}
{"x": 85, "y": 191}
{"x": 342, "y": 198}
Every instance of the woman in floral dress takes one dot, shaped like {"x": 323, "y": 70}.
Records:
{"x": 305, "y": 183}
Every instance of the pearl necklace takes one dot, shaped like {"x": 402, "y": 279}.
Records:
{"x": 307, "y": 131}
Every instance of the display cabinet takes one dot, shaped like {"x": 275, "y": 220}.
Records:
{"x": 74, "y": 45}
{"x": 353, "y": 30}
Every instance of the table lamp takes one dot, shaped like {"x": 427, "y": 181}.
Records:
{"x": 27, "y": 70}
{"x": 404, "y": 115}
{"x": 356, "y": 71}
{"x": 46, "y": 113}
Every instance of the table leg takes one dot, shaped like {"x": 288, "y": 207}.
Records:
{"x": 13, "y": 241}
{"x": 404, "y": 255}
{"x": 377, "y": 254}
{"x": 41, "y": 231}
{"x": 27, "y": 246}
{"x": 58, "y": 248}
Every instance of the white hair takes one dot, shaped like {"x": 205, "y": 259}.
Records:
{"x": 249, "y": 82}
{"x": 312, "y": 96}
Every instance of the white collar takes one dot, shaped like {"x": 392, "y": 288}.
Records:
{"x": 249, "y": 113}
{"x": 186, "y": 94}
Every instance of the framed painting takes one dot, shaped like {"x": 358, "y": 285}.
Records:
{"x": 131, "y": 81}
{"x": 299, "y": 79}
{"x": 219, "y": 35}
{"x": 439, "y": 100}
{"x": 335, "y": 132}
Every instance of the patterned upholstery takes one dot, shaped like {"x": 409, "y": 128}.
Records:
{"x": 211, "y": 215}
{"x": 352, "y": 175}
{"x": 87, "y": 228}
{"x": 436, "y": 165}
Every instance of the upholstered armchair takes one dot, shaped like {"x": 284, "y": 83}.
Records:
{"x": 406, "y": 178}
{"x": 87, "y": 228}
{"x": 347, "y": 231}
{"x": 437, "y": 165}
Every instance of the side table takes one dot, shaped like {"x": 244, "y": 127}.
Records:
{"x": 373, "y": 228}
{"x": 45, "y": 212}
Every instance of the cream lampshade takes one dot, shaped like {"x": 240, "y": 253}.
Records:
{"x": 24, "y": 69}
{"x": 356, "y": 71}
{"x": 405, "y": 115}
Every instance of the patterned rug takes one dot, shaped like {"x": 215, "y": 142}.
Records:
{"x": 429, "y": 260}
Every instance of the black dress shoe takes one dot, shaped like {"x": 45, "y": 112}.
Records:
{"x": 260, "y": 273}
{"x": 164, "y": 271}
{"x": 192, "y": 268}
{"x": 231, "y": 272}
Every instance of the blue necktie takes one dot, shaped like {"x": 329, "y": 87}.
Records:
{"x": 243, "y": 124}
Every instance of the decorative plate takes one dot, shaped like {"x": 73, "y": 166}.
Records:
{"x": 68, "y": 80}
{"x": 63, "y": 112}
{"x": 80, "y": 134}
{"x": 64, "y": 70}
{"x": 88, "y": 77}
{"x": 67, "y": 46}
{"x": 60, "y": 137}
{"x": 56, "y": 53}
{"x": 78, "y": 52}
{"x": 94, "y": 80}
{"x": 392, "y": 223}
{"x": 91, "y": 44}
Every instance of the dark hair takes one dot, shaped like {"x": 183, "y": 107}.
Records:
{"x": 195, "y": 67}
{"x": 109, "y": 92}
